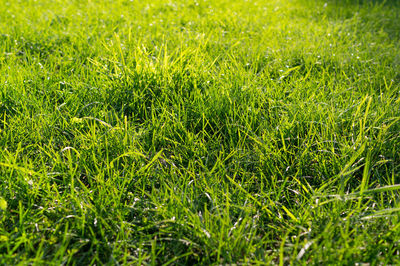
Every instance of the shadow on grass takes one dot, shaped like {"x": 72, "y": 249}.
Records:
{"x": 395, "y": 3}
{"x": 374, "y": 15}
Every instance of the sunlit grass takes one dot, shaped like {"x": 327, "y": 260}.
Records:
{"x": 200, "y": 132}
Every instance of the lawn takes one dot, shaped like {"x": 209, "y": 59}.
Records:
{"x": 199, "y": 132}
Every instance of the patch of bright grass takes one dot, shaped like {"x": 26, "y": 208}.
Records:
{"x": 199, "y": 132}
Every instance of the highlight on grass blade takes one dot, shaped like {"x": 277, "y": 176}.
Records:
{"x": 3, "y": 204}
{"x": 147, "y": 166}
{"x": 382, "y": 214}
{"x": 358, "y": 194}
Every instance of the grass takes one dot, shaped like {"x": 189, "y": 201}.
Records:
{"x": 199, "y": 132}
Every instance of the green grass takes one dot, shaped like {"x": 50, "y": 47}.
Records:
{"x": 199, "y": 132}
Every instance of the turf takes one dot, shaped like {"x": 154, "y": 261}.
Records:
{"x": 199, "y": 132}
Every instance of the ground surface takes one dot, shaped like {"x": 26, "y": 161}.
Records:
{"x": 199, "y": 132}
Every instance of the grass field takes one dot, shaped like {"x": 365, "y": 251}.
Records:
{"x": 199, "y": 132}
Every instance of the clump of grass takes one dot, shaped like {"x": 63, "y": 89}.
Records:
{"x": 200, "y": 132}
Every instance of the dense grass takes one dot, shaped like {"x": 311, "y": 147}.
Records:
{"x": 200, "y": 132}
